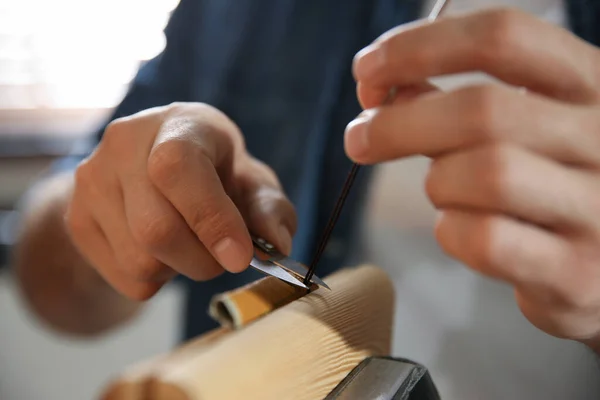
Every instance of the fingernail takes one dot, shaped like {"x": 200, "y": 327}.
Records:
{"x": 366, "y": 62}
{"x": 285, "y": 238}
{"x": 357, "y": 138}
{"x": 231, "y": 255}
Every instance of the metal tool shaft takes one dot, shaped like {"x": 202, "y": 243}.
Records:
{"x": 332, "y": 221}
{"x": 436, "y": 11}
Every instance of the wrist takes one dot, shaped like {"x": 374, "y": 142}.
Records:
{"x": 58, "y": 285}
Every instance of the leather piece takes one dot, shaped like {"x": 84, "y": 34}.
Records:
{"x": 239, "y": 307}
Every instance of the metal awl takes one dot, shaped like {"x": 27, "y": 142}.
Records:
{"x": 268, "y": 260}
{"x": 436, "y": 11}
{"x": 271, "y": 262}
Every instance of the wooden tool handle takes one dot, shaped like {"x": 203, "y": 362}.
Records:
{"x": 299, "y": 351}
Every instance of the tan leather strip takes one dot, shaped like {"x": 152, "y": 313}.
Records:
{"x": 239, "y": 307}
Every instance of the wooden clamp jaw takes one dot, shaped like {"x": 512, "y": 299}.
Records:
{"x": 276, "y": 343}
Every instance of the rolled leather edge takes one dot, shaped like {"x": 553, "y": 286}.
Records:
{"x": 239, "y": 307}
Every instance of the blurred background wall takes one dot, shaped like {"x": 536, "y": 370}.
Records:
{"x": 65, "y": 63}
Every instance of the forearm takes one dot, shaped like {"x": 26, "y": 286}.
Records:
{"x": 57, "y": 283}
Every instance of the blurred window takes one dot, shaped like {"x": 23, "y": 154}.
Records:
{"x": 65, "y": 63}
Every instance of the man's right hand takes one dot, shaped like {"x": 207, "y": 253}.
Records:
{"x": 172, "y": 190}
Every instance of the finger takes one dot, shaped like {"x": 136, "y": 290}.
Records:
{"x": 504, "y": 248}
{"x": 510, "y": 180}
{"x": 576, "y": 318}
{"x": 183, "y": 165}
{"x": 101, "y": 189}
{"x": 155, "y": 233}
{"x": 267, "y": 211}
{"x": 159, "y": 229}
{"x": 133, "y": 260}
{"x": 370, "y": 97}
{"x": 91, "y": 243}
{"x": 517, "y": 48}
{"x": 437, "y": 123}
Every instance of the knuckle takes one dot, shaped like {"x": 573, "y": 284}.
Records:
{"x": 83, "y": 173}
{"x": 155, "y": 232}
{"x": 201, "y": 119}
{"x": 253, "y": 175}
{"x": 271, "y": 195}
{"x": 176, "y": 106}
{"x": 182, "y": 108}
{"x": 480, "y": 244}
{"x": 497, "y": 177}
{"x": 114, "y": 133}
{"x": 485, "y": 111}
{"x": 272, "y": 201}
{"x": 385, "y": 52}
{"x": 113, "y": 130}
{"x": 143, "y": 267}
{"x": 377, "y": 126}
{"x": 210, "y": 223}
{"x": 118, "y": 141}
{"x": 580, "y": 290}
{"x": 389, "y": 56}
{"x": 166, "y": 160}
{"x": 123, "y": 135}
{"x": 432, "y": 183}
{"x": 499, "y": 35}
{"x": 86, "y": 179}
{"x": 489, "y": 244}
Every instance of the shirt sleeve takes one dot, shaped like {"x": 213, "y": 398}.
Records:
{"x": 159, "y": 81}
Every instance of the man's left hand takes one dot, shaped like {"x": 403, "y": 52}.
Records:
{"x": 515, "y": 169}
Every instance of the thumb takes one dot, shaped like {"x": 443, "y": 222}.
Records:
{"x": 266, "y": 209}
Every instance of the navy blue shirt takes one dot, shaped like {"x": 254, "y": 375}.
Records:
{"x": 281, "y": 69}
